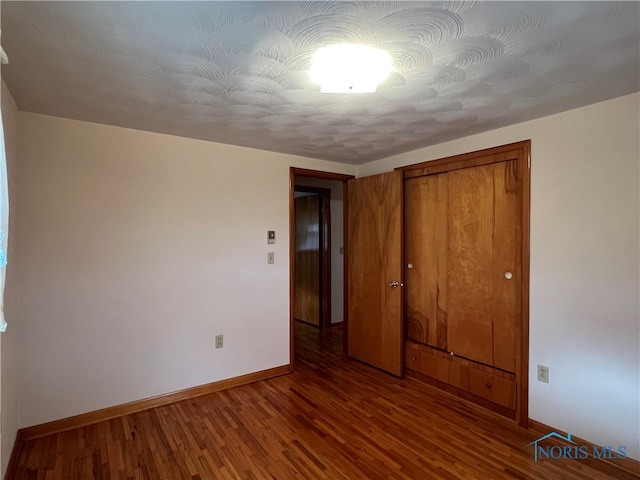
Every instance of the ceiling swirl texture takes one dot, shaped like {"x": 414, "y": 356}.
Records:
{"x": 238, "y": 72}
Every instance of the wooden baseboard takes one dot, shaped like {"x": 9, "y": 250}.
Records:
{"x": 542, "y": 429}
{"x": 108, "y": 413}
{"x": 617, "y": 468}
{"x": 10, "y": 473}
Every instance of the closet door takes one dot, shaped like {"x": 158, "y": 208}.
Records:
{"x": 466, "y": 270}
{"x": 483, "y": 263}
{"x": 462, "y": 248}
{"x": 375, "y": 333}
{"x": 426, "y": 232}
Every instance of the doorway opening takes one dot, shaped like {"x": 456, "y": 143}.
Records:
{"x": 317, "y": 290}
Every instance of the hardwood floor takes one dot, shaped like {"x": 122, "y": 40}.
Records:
{"x": 330, "y": 419}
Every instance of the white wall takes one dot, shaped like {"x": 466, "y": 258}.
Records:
{"x": 9, "y": 339}
{"x": 136, "y": 250}
{"x": 584, "y": 314}
{"x": 337, "y": 241}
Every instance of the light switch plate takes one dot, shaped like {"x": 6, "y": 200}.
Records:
{"x": 271, "y": 258}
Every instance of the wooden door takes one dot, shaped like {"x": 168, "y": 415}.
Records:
{"x": 484, "y": 259}
{"x": 375, "y": 333}
{"x": 425, "y": 223}
{"x": 463, "y": 275}
{"x": 307, "y": 259}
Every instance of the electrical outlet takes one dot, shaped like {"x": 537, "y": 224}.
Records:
{"x": 543, "y": 374}
{"x": 219, "y": 341}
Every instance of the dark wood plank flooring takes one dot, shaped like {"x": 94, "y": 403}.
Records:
{"x": 330, "y": 419}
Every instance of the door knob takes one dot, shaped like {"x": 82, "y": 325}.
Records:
{"x": 508, "y": 275}
{"x": 393, "y": 284}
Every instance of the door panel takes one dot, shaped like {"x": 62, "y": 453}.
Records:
{"x": 425, "y": 227}
{"x": 482, "y": 248}
{"x": 307, "y": 260}
{"x": 375, "y": 333}
{"x": 507, "y": 257}
{"x": 475, "y": 206}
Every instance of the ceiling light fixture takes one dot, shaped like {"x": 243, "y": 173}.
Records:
{"x": 349, "y": 68}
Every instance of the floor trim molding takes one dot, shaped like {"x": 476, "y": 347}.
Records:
{"x": 108, "y": 413}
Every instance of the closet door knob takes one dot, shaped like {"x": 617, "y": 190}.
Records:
{"x": 508, "y": 275}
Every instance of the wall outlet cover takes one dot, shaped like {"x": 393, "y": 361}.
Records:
{"x": 543, "y": 374}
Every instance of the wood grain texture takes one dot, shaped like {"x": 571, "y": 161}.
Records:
{"x": 613, "y": 467}
{"x": 511, "y": 299}
{"x": 463, "y": 394}
{"x": 472, "y": 260}
{"x": 324, "y": 199}
{"x": 470, "y": 319}
{"x": 502, "y": 153}
{"x": 506, "y": 259}
{"x": 522, "y": 345}
{"x": 374, "y": 260}
{"x": 484, "y": 241}
{"x": 345, "y": 276}
{"x": 425, "y": 247}
{"x": 307, "y": 259}
{"x": 330, "y": 419}
{"x": 480, "y": 381}
{"x": 292, "y": 267}
{"x": 325, "y": 261}
{"x": 76, "y": 421}
{"x": 304, "y": 172}
{"x": 12, "y": 465}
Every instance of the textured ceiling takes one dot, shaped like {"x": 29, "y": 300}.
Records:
{"x": 237, "y": 72}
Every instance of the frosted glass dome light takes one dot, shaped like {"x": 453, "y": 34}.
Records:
{"x": 349, "y": 68}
